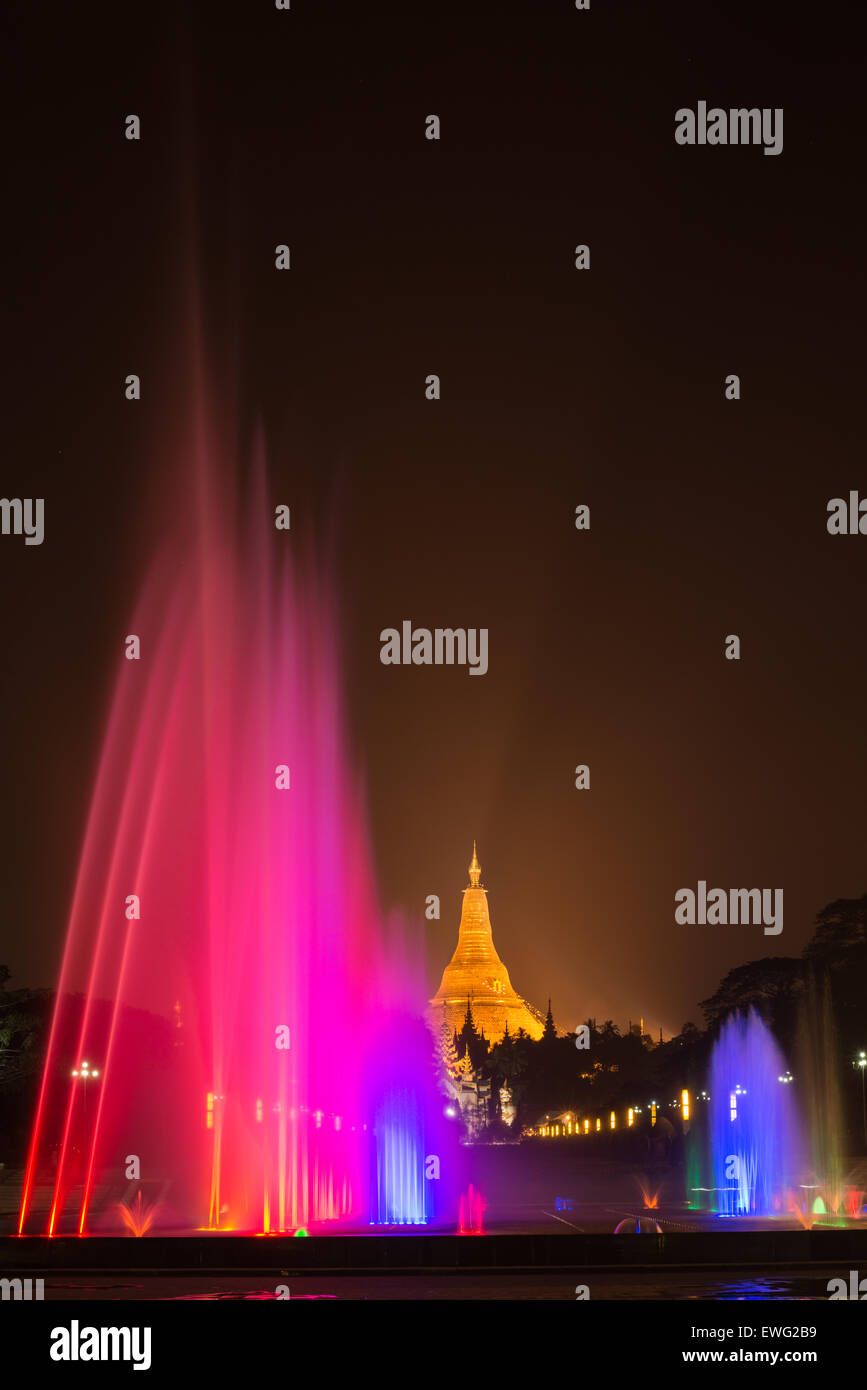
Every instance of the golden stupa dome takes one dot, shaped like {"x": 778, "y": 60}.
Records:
{"x": 476, "y": 973}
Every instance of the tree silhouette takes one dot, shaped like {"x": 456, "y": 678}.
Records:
{"x": 760, "y": 984}
{"x": 841, "y": 929}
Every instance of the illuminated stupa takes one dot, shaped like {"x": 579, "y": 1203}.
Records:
{"x": 476, "y": 974}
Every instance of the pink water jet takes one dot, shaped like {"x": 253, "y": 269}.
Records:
{"x": 226, "y": 964}
{"x": 471, "y": 1210}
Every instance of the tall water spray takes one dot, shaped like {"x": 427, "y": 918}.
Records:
{"x": 225, "y": 896}
{"x": 821, "y": 1089}
{"x": 755, "y": 1137}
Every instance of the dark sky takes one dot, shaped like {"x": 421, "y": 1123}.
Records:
{"x": 558, "y": 388}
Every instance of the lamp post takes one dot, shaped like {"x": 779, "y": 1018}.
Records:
{"x": 83, "y": 1074}
{"x": 861, "y": 1063}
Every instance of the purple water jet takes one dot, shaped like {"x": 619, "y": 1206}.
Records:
{"x": 756, "y": 1143}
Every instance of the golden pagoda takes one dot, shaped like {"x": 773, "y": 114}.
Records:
{"x": 476, "y": 975}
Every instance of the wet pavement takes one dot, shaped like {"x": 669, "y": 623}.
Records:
{"x": 547, "y": 1287}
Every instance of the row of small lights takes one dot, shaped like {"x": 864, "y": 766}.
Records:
{"x": 549, "y": 1131}
{"x": 546, "y": 1131}
{"x": 211, "y": 1100}
{"x": 553, "y": 1131}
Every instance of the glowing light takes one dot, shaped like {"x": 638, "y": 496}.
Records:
{"x": 684, "y": 1104}
{"x": 630, "y": 1120}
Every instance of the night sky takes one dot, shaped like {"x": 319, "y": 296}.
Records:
{"x": 559, "y": 387}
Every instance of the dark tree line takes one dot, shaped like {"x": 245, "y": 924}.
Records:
{"x": 615, "y": 1070}
{"x": 618, "y": 1069}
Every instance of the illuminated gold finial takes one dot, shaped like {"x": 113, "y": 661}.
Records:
{"x": 475, "y": 869}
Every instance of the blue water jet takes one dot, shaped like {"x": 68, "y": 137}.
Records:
{"x": 755, "y": 1135}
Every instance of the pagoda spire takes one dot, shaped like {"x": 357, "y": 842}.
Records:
{"x": 550, "y": 1031}
{"x": 475, "y": 987}
{"x": 475, "y": 869}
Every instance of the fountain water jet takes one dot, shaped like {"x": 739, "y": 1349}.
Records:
{"x": 137, "y": 1218}
{"x": 225, "y": 887}
{"x": 821, "y": 1092}
{"x": 755, "y": 1136}
{"x": 471, "y": 1211}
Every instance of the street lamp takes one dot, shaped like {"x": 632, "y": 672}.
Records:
{"x": 84, "y": 1074}
{"x": 861, "y": 1063}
